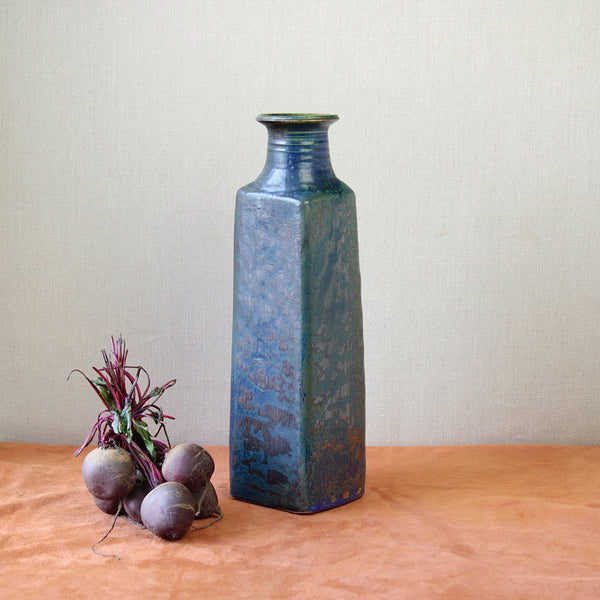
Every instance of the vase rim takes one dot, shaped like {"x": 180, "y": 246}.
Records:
{"x": 296, "y": 118}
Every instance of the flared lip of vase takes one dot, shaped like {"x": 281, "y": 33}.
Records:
{"x": 296, "y": 118}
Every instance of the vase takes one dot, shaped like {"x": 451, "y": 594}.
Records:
{"x": 297, "y": 420}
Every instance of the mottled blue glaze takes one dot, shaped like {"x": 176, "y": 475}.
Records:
{"x": 297, "y": 437}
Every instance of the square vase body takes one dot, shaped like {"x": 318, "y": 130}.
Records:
{"x": 297, "y": 434}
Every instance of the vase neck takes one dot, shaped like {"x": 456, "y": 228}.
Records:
{"x": 298, "y": 151}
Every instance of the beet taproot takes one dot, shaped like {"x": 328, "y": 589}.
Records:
{"x": 132, "y": 503}
{"x": 168, "y": 511}
{"x": 108, "y": 473}
{"x": 188, "y": 464}
{"x": 206, "y": 502}
{"x": 110, "y": 507}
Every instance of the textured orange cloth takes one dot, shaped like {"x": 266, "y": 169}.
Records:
{"x": 481, "y": 522}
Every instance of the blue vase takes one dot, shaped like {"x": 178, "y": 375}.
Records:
{"x": 297, "y": 431}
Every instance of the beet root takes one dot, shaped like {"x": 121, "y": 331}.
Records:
{"x": 206, "y": 502}
{"x": 108, "y": 473}
{"x": 110, "y": 507}
{"x": 132, "y": 503}
{"x": 188, "y": 464}
{"x": 168, "y": 510}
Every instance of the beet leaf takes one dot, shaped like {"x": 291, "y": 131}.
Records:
{"x": 124, "y": 421}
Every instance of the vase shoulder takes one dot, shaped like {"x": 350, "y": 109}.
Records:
{"x": 291, "y": 192}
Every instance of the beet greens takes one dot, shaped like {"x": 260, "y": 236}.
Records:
{"x": 128, "y": 409}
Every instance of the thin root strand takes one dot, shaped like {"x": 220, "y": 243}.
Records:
{"x": 218, "y": 516}
{"x": 112, "y": 526}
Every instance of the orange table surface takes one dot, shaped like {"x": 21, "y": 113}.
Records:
{"x": 449, "y": 522}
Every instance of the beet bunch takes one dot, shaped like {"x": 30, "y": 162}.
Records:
{"x": 132, "y": 471}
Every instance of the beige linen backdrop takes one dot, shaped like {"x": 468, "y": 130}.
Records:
{"x": 470, "y": 132}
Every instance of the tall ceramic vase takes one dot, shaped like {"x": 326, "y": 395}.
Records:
{"x": 297, "y": 437}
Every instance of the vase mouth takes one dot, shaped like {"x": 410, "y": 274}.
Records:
{"x": 296, "y": 118}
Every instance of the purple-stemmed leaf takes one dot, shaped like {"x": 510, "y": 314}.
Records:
{"x": 124, "y": 421}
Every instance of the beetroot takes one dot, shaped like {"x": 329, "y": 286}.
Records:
{"x": 168, "y": 511}
{"x": 108, "y": 473}
{"x": 133, "y": 501}
{"x": 206, "y": 503}
{"x": 110, "y": 507}
{"x": 188, "y": 464}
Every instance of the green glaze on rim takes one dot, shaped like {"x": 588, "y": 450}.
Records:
{"x": 296, "y": 118}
